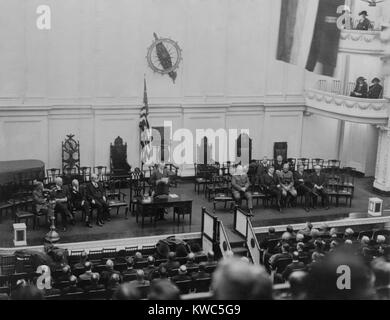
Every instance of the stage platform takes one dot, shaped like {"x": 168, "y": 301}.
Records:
{"x": 121, "y": 232}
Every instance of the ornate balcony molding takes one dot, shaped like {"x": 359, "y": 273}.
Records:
{"x": 353, "y": 109}
{"x": 361, "y": 42}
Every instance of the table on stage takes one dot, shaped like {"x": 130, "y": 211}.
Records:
{"x": 151, "y": 205}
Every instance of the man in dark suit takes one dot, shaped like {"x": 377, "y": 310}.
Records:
{"x": 87, "y": 275}
{"x": 171, "y": 263}
{"x": 94, "y": 285}
{"x": 375, "y": 91}
{"x": 72, "y": 287}
{"x": 278, "y": 165}
{"x": 79, "y": 201}
{"x": 279, "y": 256}
{"x": 319, "y": 182}
{"x": 107, "y": 274}
{"x": 130, "y": 272}
{"x": 270, "y": 184}
{"x": 301, "y": 180}
{"x": 150, "y": 268}
{"x": 293, "y": 266}
{"x": 201, "y": 274}
{"x": 61, "y": 196}
{"x": 240, "y": 187}
{"x": 97, "y": 199}
{"x": 182, "y": 276}
{"x": 268, "y": 245}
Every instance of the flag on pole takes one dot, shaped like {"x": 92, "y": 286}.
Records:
{"x": 145, "y": 131}
{"x": 308, "y": 34}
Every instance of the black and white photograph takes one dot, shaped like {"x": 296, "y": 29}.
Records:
{"x": 196, "y": 151}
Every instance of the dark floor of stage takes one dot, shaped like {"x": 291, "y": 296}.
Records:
{"x": 121, "y": 228}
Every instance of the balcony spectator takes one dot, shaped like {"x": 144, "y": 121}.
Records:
{"x": 361, "y": 88}
{"x": 364, "y": 22}
{"x": 375, "y": 91}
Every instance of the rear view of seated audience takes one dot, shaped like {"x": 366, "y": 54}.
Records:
{"x": 237, "y": 280}
{"x": 182, "y": 275}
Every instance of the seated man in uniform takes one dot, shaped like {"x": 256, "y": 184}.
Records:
{"x": 286, "y": 181}
{"x": 319, "y": 181}
{"x": 97, "y": 199}
{"x": 42, "y": 204}
{"x": 79, "y": 202}
{"x": 61, "y": 196}
{"x": 240, "y": 187}
{"x": 271, "y": 186}
{"x": 301, "y": 181}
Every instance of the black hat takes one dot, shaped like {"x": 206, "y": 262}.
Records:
{"x": 376, "y": 80}
{"x": 363, "y": 12}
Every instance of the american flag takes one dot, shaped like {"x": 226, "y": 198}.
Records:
{"x": 145, "y": 131}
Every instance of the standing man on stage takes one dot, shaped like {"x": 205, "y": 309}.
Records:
{"x": 240, "y": 187}
{"x": 61, "y": 196}
{"x": 79, "y": 201}
{"x": 301, "y": 180}
{"x": 319, "y": 182}
{"x": 97, "y": 199}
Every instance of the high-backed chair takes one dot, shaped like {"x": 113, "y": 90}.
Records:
{"x": 70, "y": 156}
{"x": 118, "y": 158}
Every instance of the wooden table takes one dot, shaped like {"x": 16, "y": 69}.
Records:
{"x": 150, "y": 208}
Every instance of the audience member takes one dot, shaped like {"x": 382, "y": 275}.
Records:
{"x": 235, "y": 279}
{"x": 163, "y": 290}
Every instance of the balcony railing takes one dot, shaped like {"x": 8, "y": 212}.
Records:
{"x": 336, "y": 87}
{"x": 333, "y": 99}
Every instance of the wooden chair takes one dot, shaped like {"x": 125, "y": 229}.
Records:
{"x": 184, "y": 286}
{"x": 173, "y": 172}
{"x": 21, "y": 214}
{"x": 116, "y": 198}
{"x": 85, "y": 173}
{"x": 51, "y": 175}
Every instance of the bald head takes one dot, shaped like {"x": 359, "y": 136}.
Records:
{"x": 235, "y": 279}
{"x": 75, "y": 183}
{"x": 94, "y": 177}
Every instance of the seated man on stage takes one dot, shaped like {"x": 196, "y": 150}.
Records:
{"x": 319, "y": 181}
{"x": 262, "y": 169}
{"x": 159, "y": 181}
{"x": 97, "y": 199}
{"x": 79, "y": 201}
{"x": 42, "y": 203}
{"x": 301, "y": 181}
{"x": 240, "y": 187}
{"x": 278, "y": 165}
{"x": 271, "y": 186}
{"x": 60, "y": 194}
{"x": 286, "y": 181}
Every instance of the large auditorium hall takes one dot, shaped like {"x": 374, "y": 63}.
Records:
{"x": 193, "y": 150}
